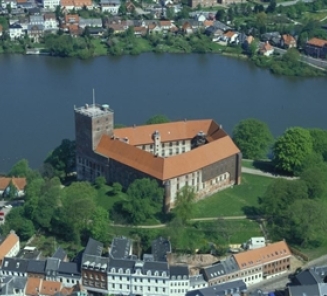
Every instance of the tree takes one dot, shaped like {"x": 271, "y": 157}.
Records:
{"x": 12, "y": 191}
{"x": 62, "y": 158}
{"x": 158, "y": 119}
{"x": 308, "y": 222}
{"x": 271, "y": 7}
{"x": 253, "y": 138}
{"x": 100, "y": 182}
{"x": 117, "y": 188}
{"x": 20, "y": 169}
{"x": 221, "y": 14}
{"x": 79, "y": 204}
{"x": 291, "y": 149}
{"x": 99, "y": 226}
{"x": 145, "y": 200}
{"x": 184, "y": 204}
{"x": 316, "y": 181}
{"x": 319, "y": 139}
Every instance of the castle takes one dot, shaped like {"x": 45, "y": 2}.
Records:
{"x": 198, "y": 153}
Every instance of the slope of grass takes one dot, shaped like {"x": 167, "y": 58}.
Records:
{"x": 236, "y": 201}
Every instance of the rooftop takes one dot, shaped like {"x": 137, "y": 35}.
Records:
{"x": 14, "y": 264}
{"x": 8, "y": 244}
{"x": 94, "y": 110}
{"x": 120, "y": 247}
{"x": 229, "y": 288}
{"x": 19, "y": 183}
{"x": 274, "y": 251}
{"x": 219, "y": 147}
{"x": 60, "y": 254}
{"x": 93, "y": 247}
{"x": 160, "y": 248}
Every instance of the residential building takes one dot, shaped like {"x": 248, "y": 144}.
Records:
{"x": 35, "y": 32}
{"x": 36, "y": 269}
{"x": 51, "y": 4}
{"x": 266, "y": 49}
{"x": 221, "y": 272}
{"x": 202, "y": 3}
{"x": 9, "y": 247}
{"x": 14, "y": 267}
{"x": 287, "y": 41}
{"x": 16, "y": 31}
{"x": 60, "y": 254}
{"x": 11, "y": 3}
{"x": 91, "y": 22}
{"x": 19, "y": 183}
{"x": 36, "y": 20}
{"x": 198, "y": 153}
{"x": 111, "y": 6}
{"x": 263, "y": 263}
{"x": 230, "y": 36}
{"x": 197, "y": 282}
{"x": 12, "y": 286}
{"x": 69, "y": 274}
{"x": 232, "y": 288}
{"x": 76, "y": 4}
{"x": 50, "y": 22}
{"x": 309, "y": 282}
{"x": 316, "y": 47}
{"x": 179, "y": 282}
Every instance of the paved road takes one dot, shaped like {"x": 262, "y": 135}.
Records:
{"x": 265, "y": 174}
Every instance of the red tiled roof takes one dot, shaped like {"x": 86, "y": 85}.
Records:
{"x": 50, "y": 287}
{"x": 172, "y": 131}
{"x": 271, "y": 252}
{"x": 288, "y": 39}
{"x": 8, "y": 244}
{"x": 33, "y": 286}
{"x": 229, "y": 34}
{"x": 317, "y": 42}
{"x": 19, "y": 183}
{"x": 219, "y": 146}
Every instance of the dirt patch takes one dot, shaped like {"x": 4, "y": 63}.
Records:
{"x": 193, "y": 261}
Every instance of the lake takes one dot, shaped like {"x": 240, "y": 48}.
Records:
{"x": 38, "y": 94}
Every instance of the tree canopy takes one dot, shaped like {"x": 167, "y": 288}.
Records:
{"x": 291, "y": 149}
{"x": 145, "y": 200}
{"x": 157, "y": 119}
{"x": 20, "y": 169}
{"x": 253, "y": 138}
{"x": 184, "y": 204}
{"x": 62, "y": 158}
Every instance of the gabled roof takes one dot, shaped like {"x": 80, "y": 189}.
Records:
{"x": 317, "y": 42}
{"x": 93, "y": 247}
{"x": 229, "y": 34}
{"x": 36, "y": 266}
{"x": 52, "y": 264}
{"x": 33, "y": 286}
{"x": 60, "y": 254}
{"x": 14, "y": 264}
{"x": 160, "y": 247}
{"x": 10, "y": 241}
{"x": 271, "y": 252}
{"x": 179, "y": 270}
{"x": 171, "y": 167}
{"x": 19, "y": 183}
{"x": 288, "y": 39}
{"x": 171, "y": 131}
{"x": 50, "y": 287}
{"x": 69, "y": 268}
{"x": 308, "y": 277}
{"x": 120, "y": 248}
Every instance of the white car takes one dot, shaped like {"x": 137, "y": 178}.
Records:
{"x": 8, "y": 206}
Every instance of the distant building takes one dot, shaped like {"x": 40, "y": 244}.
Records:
{"x": 266, "y": 49}
{"x": 9, "y": 247}
{"x": 255, "y": 243}
{"x": 287, "y": 41}
{"x": 198, "y": 153}
{"x": 18, "y": 183}
{"x": 316, "y": 47}
{"x": 111, "y": 6}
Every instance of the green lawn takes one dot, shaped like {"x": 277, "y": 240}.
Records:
{"x": 240, "y": 230}
{"x": 99, "y": 47}
{"x": 248, "y": 163}
{"x": 235, "y": 201}
{"x": 107, "y": 199}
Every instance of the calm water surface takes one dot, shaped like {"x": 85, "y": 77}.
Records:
{"x": 38, "y": 95}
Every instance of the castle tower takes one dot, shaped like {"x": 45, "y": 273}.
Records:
{"x": 91, "y": 122}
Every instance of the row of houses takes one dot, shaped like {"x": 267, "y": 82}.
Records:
{"x": 121, "y": 272}
{"x": 111, "y": 6}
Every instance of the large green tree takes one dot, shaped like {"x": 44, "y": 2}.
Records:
{"x": 185, "y": 203}
{"x": 79, "y": 204}
{"x": 158, "y": 119}
{"x": 145, "y": 200}
{"x": 315, "y": 178}
{"x": 99, "y": 225}
{"x": 319, "y": 141}
{"x": 253, "y": 138}
{"x": 20, "y": 169}
{"x": 292, "y": 148}
{"x": 62, "y": 158}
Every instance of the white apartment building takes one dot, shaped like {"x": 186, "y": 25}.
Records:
{"x": 51, "y": 4}
{"x": 50, "y": 22}
{"x": 16, "y": 31}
